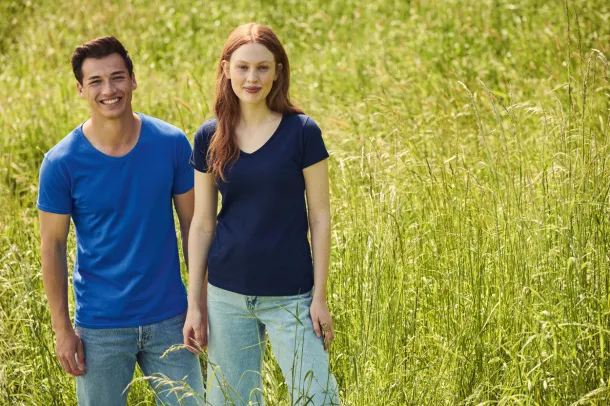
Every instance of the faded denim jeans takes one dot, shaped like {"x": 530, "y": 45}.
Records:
{"x": 236, "y": 348}
{"x": 110, "y": 359}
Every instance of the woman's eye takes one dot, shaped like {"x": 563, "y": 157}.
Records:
{"x": 243, "y": 67}
{"x": 263, "y": 68}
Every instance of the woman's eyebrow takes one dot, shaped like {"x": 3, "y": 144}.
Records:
{"x": 242, "y": 61}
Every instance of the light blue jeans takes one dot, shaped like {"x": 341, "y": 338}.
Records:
{"x": 236, "y": 348}
{"x": 110, "y": 359}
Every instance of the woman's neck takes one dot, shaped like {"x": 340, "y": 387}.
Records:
{"x": 253, "y": 115}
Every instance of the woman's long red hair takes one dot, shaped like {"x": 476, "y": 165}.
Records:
{"x": 223, "y": 147}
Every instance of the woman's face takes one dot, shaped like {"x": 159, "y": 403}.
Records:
{"x": 252, "y": 71}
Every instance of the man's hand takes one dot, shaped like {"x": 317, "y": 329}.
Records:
{"x": 70, "y": 351}
{"x": 195, "y": 331}
{"x": 322, "y": 321}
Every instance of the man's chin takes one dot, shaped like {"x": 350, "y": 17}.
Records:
{"x": 111, "y": 115}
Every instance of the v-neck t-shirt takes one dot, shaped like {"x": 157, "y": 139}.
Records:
{"x": 261, "y": 247}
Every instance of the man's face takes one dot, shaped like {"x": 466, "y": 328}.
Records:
{"x": 107, "y": 86}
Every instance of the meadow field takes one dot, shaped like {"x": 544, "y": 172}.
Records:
{"x": 470, "y": 180}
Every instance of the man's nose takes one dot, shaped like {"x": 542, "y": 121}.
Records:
{"x": 108, "y": 87}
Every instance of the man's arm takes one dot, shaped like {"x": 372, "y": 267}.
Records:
{"x": 184, "y": 204}
{"x": 53, "y": 235}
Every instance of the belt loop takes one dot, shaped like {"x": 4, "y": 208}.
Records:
{"x": 251, "y": 302}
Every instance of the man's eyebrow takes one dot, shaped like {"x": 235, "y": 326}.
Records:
{"x": 118, "y": 72}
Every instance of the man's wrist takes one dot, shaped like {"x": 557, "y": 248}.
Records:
{"x": 63, "y": 327}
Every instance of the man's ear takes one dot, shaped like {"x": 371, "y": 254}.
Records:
{"x": 225, "y": 69}
{"x": 134, "y": 83}
{"x": 278, "y": 70}
{"x": 79, "y": 87}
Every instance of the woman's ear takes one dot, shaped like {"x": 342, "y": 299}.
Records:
{"x": 225, "y": 69}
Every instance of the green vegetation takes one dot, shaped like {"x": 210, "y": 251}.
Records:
{"x": 470, "y": 173}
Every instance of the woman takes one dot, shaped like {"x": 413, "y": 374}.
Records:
{"x": 261, "y": 153}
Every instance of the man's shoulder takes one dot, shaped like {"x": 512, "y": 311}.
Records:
{"x": 160, "y": 127}
{"x": 65, "y": 148}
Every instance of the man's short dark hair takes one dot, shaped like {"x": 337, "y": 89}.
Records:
{"x": 98, "y": 48}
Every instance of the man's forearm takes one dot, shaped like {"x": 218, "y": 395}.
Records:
{"x": 55, "y": 280}
{"x": 184, "y": 235}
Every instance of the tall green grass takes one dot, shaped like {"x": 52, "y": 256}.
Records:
{"x": 469, "y": 183}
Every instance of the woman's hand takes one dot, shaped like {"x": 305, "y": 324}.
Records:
{"x": 322, "y": 321}
{"x": 195, "y": 331}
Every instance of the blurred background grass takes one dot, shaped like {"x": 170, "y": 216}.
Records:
{"x": 469, "y": 150}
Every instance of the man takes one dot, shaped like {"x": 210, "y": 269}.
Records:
{"x": 116, "y": 176}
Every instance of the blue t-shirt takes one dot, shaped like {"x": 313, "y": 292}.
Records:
{"x": 127, "y": 270}
{"x": 261, "y": 246}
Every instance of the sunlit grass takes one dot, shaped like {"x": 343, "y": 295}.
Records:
{"x": 469, "y": 182}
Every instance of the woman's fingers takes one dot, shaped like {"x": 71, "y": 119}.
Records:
{"x": 197, "y": 336}
{"x": 327, "y": 330}
{"x": 203, "y": 334}
{"x": 322, "y": 322}
{"x": 189, "y": 339}
{"x": 315, "y": 321}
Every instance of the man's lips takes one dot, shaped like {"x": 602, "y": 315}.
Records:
{"x": 110, "y": 102}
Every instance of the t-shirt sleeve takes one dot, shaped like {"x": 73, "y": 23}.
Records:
{"x": 54, "y": 191}
{"x": 183, "y": 173}
{"x": 314, "y": 149}
{"x": 200, "y": 149}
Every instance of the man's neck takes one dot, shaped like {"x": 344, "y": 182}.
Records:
{"x": 113, "y": 137}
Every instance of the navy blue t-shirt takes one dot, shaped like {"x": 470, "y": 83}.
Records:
{"x": 261, "y": 246}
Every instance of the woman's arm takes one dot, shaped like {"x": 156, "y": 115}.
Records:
{"x": 201, "y": 235}
{"x": 318, "y": 204}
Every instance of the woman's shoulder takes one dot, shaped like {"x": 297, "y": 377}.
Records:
{"x": 206, "y": 130}
{"x": 304, "y": 122}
